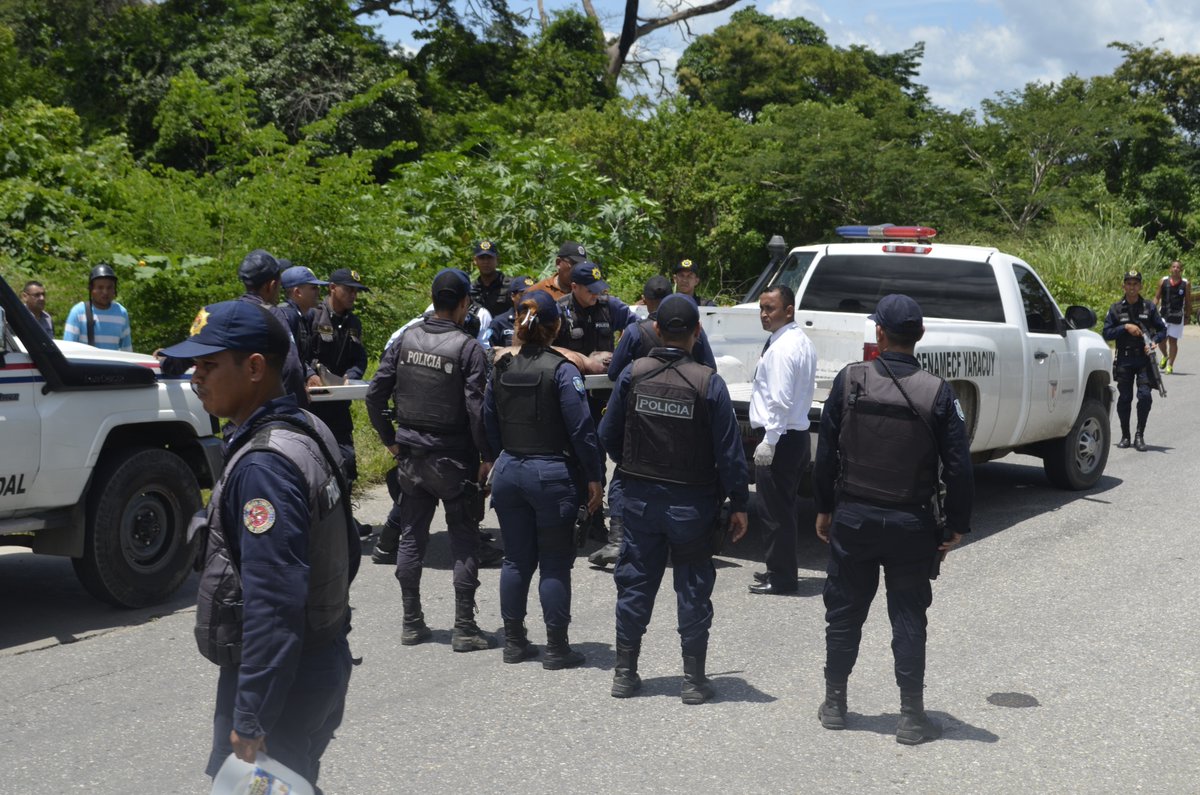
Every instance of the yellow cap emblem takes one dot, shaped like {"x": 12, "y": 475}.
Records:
{"x": 687, "y": 263}
{"x": 486, "y": 245}
{"x": 596, "y": 274}
{"x": 354, "y": 275}
{"x": 200, "y": 322}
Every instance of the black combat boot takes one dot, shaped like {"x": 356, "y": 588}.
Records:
{"x": 386, "y": 545}
{"x": 696, "y": 687}
{"x": 414, "y": 631}
{"x": 1124, "y": 443}
{"x": 1139, "y": 443}
{"x": 516, "y": 643}
{"x": 559, "y": 653}
{"x": 915, "y": 726}
{"x": 626, "y": 681}
{"x": 467, "y": 636}
{"x": 607, "y": 554}
{"x": 832, "y": 711}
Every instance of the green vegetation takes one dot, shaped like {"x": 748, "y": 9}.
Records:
{"x": 171, "y": 137}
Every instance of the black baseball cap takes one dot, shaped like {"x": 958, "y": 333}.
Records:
{"x": 898, "y": 313}
{"x": 1132, "y": 276}
{"x": 687, "y": 265}
{"x": 233, "y": 326}
{"x": 258, "y": 267}
{"x": 657, "y": 288}
{"x": 677, "y": 313}
{"x": 450, "y": 283}
{"x": 348, "y": 278}
{"x": 572, "y": 251}
{"x": 486, "y": 248}
{"x": 588, "y": 274}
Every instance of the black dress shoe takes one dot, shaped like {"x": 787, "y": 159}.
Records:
{"x": 769, "y": 588}
{"x": 1124, "y": 442}
{"x": 1139, "y": 443}
{"x": 762, "y": 576}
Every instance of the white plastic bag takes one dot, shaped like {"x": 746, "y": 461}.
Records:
{"x": 263, "y": 776}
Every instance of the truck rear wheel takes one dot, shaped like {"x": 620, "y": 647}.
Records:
{"x": 1077, "y": 460}
{"x": 136, "y": 551}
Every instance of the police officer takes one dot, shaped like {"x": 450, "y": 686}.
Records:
{"x": 273, "y": 603}
{"x": 491, "y": 287}
{"x": 637, "y": 341}
{"x": 503, "y": 328}
{"x": 259, "y": 273}
{"x": 687, "y": 279}
{"x": 336, "y": 344}
{"x": 1121, "y": 325}
{"x": 536, "y": 413}
{"x": 301, "y": 294}
{"x": 435, "y": 376}
{"x": 672, "y": 432}
{"x": 885, "y": 427}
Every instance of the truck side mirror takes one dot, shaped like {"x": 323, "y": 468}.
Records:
{"x": 1080, "y": 317}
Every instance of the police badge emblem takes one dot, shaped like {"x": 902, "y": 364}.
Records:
{"x": 258, "y": 515}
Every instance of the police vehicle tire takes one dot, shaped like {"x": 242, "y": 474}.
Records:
{"x": 139, "y": 506}
{"x": 1077, "y": 460}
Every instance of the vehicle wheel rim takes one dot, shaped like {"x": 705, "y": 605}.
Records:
{"x": 1087, "y": 452}
{"x": 146, "y": 529}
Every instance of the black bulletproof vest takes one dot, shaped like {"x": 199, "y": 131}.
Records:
{"x": 585, "y": 330}
{"x": 531, "y": 420}
{"x": 219, "y": 603}
{"x": 1172, "y": 308}
{"x": 1127, "y": 344}
{"x": 888, "y": 453}
{"x": 668, "y": 432}
{"x": 648, "y": 338}
{"x": 494, "y": 297}
{"x": 429, "y": 379}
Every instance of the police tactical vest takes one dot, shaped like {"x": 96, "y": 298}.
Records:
{"x": 298, "y": 325}
{"x": 888, "y": 454}
{"x": 429, "y": 392}
{"x": 1127, "y": 344}
{"x": 330, "y": 344}
{"x": 668, "y": 431}
{"x": 648, "y": 338}
{"x": 219, "y": 600}
{"x": 494, "y": 297}
{"x": 586, "y": 330}
{"x": 527, "y": 401}
{"x": 1173, "y": 299}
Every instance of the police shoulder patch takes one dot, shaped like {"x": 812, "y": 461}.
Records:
{"x": 958, "y": 408}
{"x": 578, "y": 383}
{"x": 258, "y": 515}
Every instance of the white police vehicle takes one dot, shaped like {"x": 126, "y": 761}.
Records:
{"x": 102, "y": 460}
{"x": 1030, "y": 378}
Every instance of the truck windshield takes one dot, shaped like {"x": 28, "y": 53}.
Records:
{"x": 944, "y": 288}
{"x": 790, "y": 272}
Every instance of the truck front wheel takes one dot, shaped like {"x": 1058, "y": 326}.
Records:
{"x": 1077, "y": 460}
{"x": 136, "y": 551}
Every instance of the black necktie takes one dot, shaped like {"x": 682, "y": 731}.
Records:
{"x": 766, "y": 345}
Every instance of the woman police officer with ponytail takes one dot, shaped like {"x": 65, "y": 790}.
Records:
{"x": 536, "y": 412}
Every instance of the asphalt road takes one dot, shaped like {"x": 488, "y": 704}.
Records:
{"x": 1062, "y": 658}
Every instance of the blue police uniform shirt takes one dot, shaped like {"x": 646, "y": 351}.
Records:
{"x": 953, "y": 447}
{"x": 619, "y": 314}
{"x": 274, "y": 570}
{"x": 632, "y": 337}
{"x": 572, "y": 401}
{"x": 500, "y": 333}
{"x": 1114, "y": 329}
{"x": 726, "y": 438}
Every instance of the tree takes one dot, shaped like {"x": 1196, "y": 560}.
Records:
{"x": 1173, "y": 80}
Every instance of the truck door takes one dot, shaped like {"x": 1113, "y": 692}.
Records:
{"x": 1053, "y": 381}
{"x": 20, "y": 425}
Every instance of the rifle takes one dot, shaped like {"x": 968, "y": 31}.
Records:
{"x": 1152, "y": 353}
{"x": 940, "y": 531}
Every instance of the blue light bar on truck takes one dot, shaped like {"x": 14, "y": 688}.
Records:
{"x": 886, "y": 232}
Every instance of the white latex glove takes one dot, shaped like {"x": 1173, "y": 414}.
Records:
{"x": 764, "y": 454}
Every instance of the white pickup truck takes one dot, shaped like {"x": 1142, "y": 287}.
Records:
{"x": 1030, "y": 378}
{"x": 102, "y": 459}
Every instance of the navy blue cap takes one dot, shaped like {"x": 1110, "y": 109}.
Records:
{"x": 656, "y": 288}
{"x": 588, "y": 274}
{"x": 572, "y": 251}
{"x": 486, "y": 248}
{"x": 547, "y": 307}
{"x": 348, "y": 278}
{"x": 898, "y": 313}
{"x": 298, "y": 275}
{"x": 232, "y": 326}
{"x": 258, "y": 267}
{"x": 676, "y": 313}
{"x": 451, "y": 283}
{"x": 687, "y": 265}
{"x": 1132, "y": 276}
{"x": 519, "y": 284}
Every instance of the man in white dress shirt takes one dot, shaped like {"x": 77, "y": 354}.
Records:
{"x": 783, "y": 390}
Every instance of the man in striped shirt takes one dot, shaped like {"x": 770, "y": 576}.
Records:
{"x": 100, "y": 321}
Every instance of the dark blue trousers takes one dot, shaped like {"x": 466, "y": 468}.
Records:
{"x": 536, "y": 501}
{"x": 315, "y": 703}
{"x": 864, "y": 538}
{"x": 661, "y": 522}
{"x": 422, "y": 485}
